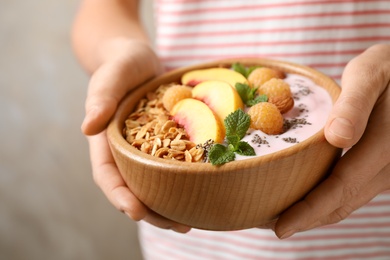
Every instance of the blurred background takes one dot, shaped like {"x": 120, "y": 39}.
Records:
{"x": 50, "y": 207}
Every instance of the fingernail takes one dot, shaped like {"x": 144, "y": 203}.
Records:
{"x": 287, "y": 234}
{"x": 342, "y": 128}
{"x": 127, "y": 214}
{"x": 91, "y": 113}
{"x": 181, "y": 229}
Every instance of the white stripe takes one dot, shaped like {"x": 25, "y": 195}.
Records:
{"x": 268, "y": 50}
{"x": 259, "y": 12}
{"x": 286, "y": 38}
{"x": 204, "y": 243}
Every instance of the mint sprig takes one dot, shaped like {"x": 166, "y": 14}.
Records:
{"x": 248, "y": 95}
{"x": 245, "y": 71}
{"x": 237, "y": 124}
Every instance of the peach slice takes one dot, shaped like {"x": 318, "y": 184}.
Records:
{"x": 199, "y": 121}
{"x": 219, "y": 96}
{"x": 194, "y": 77}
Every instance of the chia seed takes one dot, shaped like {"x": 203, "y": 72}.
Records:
{"x": 290, "y": 140}
{"x": 302, "y": 108}
{"x": 259, "y": 141}
{"x": 206, "y": 147}
{"x": 303, "y": 91}
{"x": 294, "y": 123}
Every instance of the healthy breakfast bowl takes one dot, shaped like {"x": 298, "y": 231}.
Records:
{"x": 175, "y": 177}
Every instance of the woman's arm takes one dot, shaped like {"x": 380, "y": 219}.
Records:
{"x": 100, "y": 24}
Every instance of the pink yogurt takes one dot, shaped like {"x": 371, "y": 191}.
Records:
{"x": 312, "y": 105}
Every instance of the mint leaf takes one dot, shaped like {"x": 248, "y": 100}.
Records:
{"x": 248, "y": 95}
{"x": 231, "y": 147}
{"x": 220, "y": 154}
{"x": 232, "y": 139}
{"x": 261, "y": 98}
{"x": 244, "y": 148}
{"x": 244, "y": 91}
{"x": 238, "y": 67}
{"x": 237, "y": 124}
{"x": 258, "y": 99}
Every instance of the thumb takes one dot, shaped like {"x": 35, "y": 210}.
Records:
{"x": 105, "y": 90}
{"x": 110, "y": 83}
{"x": 362, "y": 83}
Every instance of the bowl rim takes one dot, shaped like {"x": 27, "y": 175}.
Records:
{"x": 115, "y": 127}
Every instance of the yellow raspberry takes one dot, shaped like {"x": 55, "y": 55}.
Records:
{"x": 266, "y": 117}
{"x": 261, "y": 75}
{"x": 174, "y": 94}
{"x": 279, "y": 93}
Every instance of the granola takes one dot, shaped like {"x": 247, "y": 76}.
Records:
{"x": 150, "y": 130}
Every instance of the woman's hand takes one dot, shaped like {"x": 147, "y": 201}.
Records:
{"x": 129, "y": 64}
{"x": 360, "y": 119}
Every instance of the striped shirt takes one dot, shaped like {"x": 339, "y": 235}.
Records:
{"x": 323, "y": 34}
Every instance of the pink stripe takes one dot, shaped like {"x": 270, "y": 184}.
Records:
{"x": 380, "y": 203}
{"x": 370, "y": 215}
{"x": 296, "y": 248}
{"x": 173, "y": 58}
{"x": 317, "y": 65}
{"x": 269, "y": 43}
{"x": 163, "y": 248}
{"x": 213, "y": 9}
{"x": 306, "y": 236}
{"x": 198, "y": 253}
{"x": 312, "y": 65}
{"x": 275, "y": 17}
{"x": 360, "y": 226}
{"x": 273, "y": 30}
{"x": 361, "y": 255}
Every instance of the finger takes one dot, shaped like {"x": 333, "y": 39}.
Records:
{"x": 269, "y": 225}
{"x": 161, "y": 222}
{"x": 106, "y": 88}
{"x": 371, "y": 190}
{"x": 108, "y": 178}
{"x": 110, "y": 83}
{"x": 342, "y": 192}
{"x": 320, "y": 202}
{"x": 363, "y": 81}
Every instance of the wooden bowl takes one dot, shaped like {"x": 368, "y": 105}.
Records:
{"x": 237, "y": 195}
